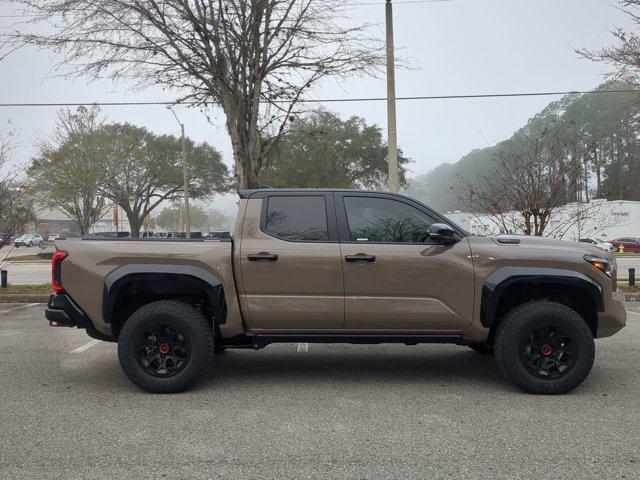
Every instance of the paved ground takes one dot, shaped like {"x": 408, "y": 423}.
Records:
{"x": 28, "y": 273}
{"x": 9, "y": 251}
{"x": 624, "y": 263}
{"x": 330, "y": 412}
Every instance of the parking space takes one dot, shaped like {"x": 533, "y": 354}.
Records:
{"x": 316, "y": 411}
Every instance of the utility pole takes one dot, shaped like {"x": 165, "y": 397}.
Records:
{"x": 185, "y": 176}
{"x": 391, "y": 103}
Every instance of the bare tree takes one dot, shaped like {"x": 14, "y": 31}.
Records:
{"x": 526, "y": 183}
{"x": 625, "y": 54}
{"x": 255, "y": 58}
{"x": 15, "y": 205}
{"x": 65, "y": 174}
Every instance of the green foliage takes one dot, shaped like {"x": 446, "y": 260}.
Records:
{"x": 169, "y": 218}
{"x": 219, "y": 222}
{"x": 88, "y": 162}
{"x": 65, "y": 174}
{"x": 599, "y": 133}
{"x": 323, "y": 151}
{"x": 201, "y": 219}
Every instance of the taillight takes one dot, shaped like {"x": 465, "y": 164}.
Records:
{"x": 56, "y": 271}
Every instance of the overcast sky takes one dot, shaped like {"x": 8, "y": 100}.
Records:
{"x": 457, "y": 47}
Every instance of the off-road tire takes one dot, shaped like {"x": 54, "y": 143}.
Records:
{"x": 509, "y": 338}
{"x": 481, "y": 348}
{"x": 181, "y": 317}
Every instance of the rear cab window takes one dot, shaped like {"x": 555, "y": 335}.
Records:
{"x": 296, "y": 218}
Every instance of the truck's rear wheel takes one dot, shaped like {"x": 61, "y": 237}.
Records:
{"x": 165, "y": 347}
{"x": 544, "y": 347}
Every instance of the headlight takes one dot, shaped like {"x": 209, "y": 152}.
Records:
{"x": 601, "y": 263}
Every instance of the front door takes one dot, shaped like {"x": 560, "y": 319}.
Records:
{"x": 291, "y": 264}
{"x": 395, "y": 278}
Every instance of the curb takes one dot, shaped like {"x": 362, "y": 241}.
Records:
{"x": 23, "y": 298}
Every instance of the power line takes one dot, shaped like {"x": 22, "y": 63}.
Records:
{"x": 328, "y": 100}
{"x": 354, "y": 4}
{"x": 398, "y": 2}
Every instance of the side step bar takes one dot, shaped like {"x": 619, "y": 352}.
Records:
{"x": 261, "y": 341}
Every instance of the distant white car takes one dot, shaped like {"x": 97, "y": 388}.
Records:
{"x": 28, "y": 240}
{"x": 601, "y": 244}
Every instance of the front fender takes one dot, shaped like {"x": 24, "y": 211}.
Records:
{"x": 504, "y": 278}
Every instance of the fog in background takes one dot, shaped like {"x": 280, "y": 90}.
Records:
{"x": 456, "y": 47}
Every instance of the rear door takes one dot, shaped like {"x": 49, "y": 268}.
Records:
{"x": 395, "y": 278}
{"x": 291, "y": 264}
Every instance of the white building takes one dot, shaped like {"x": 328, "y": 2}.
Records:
{"x": 55, "y": 222}
{"x": 599, "y": 219}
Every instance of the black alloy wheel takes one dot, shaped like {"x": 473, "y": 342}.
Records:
{"x": 166, "y": 346}
{"x": 544, "y": 347}
{"x": 163, "y": 352}
{"x": 548, "y": 351}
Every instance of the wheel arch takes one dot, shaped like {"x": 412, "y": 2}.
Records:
{"x": 511, "y": 286}
{"x": 157, "y": 281}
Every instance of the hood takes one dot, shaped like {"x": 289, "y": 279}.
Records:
{"x": 548, "y": 244}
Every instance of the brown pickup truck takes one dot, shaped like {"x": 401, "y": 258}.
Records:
{"x": 330, "y": 266}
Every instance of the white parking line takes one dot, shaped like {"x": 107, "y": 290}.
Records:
{"x": 85, "y": 346}
{"x": 633, "y": 313}
{"x": 21, "y": 307}
{"x": 303, "y": 347}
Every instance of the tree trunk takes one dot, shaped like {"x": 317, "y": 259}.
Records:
{"x": 527, "y": 223}
{"x": 244, "y": 160}
{"x": 586, "y": 179}
{"x": 84, "y": 226}
{"x": 135, "y": 223}
{"x": 596, "y": 164}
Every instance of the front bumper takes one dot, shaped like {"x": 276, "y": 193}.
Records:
{"x": 614, "y": 317}
{"x": 62, "y": 311}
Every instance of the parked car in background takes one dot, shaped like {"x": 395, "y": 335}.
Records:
{"x": 601, "y": 244}
{"x": 630, "y": 244}
{"x": 111, "y": 234}
{"x": 219, "y": 235}
{"x": 28, "y": 240}
{"x": 167, "y": 235}
{"x": 178, "y": 235}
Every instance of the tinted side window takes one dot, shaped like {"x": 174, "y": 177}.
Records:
{"x": 297, "y": 218}
{"x": 383, "y": 220}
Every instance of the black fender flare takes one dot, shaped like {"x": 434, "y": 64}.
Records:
{"x": 503, "y": 278}
{"x": 130, "y": 273}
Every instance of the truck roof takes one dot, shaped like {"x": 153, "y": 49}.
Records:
{"x": 246, "y": 193}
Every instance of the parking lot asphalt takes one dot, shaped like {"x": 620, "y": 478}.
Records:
{"x": 334, "y": 411}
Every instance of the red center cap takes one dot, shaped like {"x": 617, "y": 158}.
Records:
{"x": 164, "y": 348}
{"x": 546, "y": 350}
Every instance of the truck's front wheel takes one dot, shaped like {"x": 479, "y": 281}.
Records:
{"x": 544, "y": 347}
{"x": 165, "y": 347}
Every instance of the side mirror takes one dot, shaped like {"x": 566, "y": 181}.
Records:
{"x": 442, "y": 233}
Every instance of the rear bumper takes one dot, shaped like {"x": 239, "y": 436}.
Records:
{"x": 62, "y": 310}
